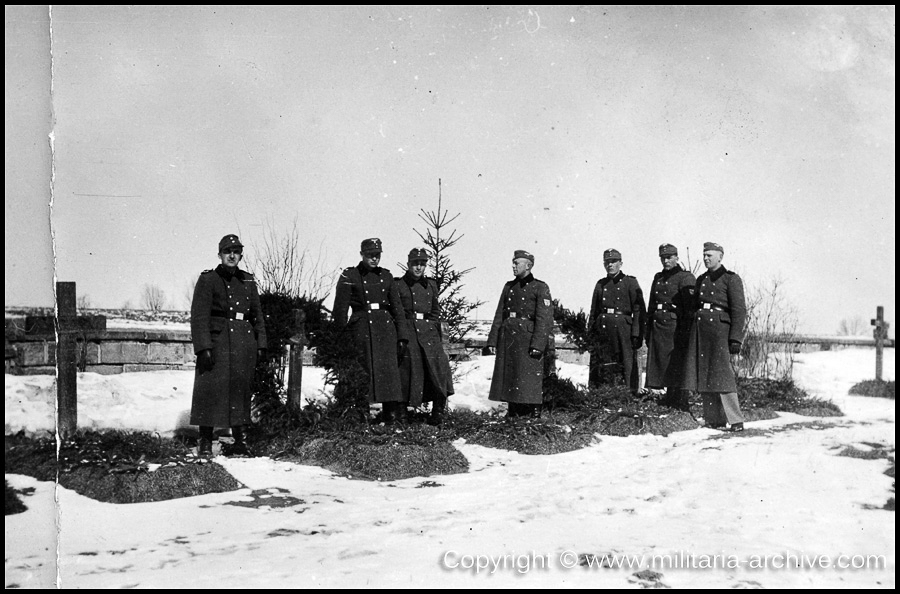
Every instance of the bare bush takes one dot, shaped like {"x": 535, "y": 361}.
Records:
{"x": 153, "y": 298}
{"x": 83, "y": 303}
{"x": 855, "y": 326}
{"x": 692, "y": 266}
{"x": 188, "y": 294}
{"x": 771, "y": 328}
{"x": 282, "y": 267}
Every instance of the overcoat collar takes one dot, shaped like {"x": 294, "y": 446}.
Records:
{"x": 223, "y": 271}
{"x": 667, "y": 273}
{"x": 524, "y": 280}
{"x": 410, "y": 281}
{"x": 364, "y": 271}
{"x": 715, "y": 275}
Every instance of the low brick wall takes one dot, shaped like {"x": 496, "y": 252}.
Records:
{"x": 118, "y": 351}
{"x": 112, "y": 351}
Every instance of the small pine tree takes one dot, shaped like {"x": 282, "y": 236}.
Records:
{"x": 455, "y": 308}
{"x": 572, "y": 325}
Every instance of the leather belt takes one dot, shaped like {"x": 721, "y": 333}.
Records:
{"x": 665, "y": 307}
{"x": 373, "y": 306}
{"x": 613, "y": 312}
{"x": 712, "y": 307}
{"x": 230, "y": 316}
{"x": 513, "y": 314}
{"x": 420, "y": 316}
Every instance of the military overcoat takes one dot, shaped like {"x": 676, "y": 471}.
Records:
{"x": 375, "y": 324}
{"x": 425, "y": 368}
{"x": 226, "y": 318}
{"x": 523, "y": 321}
{"x": 720, "y": 316}
{"x": 668, "y": 324}
{"x": 617, "y": 310}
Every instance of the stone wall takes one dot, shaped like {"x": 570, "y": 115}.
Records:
{"x": 120, "y": 350}
{"x": 112, "y": 351}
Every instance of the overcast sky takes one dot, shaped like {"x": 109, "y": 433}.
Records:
{"x": 560, "y": 130}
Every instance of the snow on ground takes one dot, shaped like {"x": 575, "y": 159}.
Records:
{"x": 701, "y": 508}
{"x": 129, "y": 324}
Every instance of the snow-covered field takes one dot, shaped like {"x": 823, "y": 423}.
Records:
{"x": 700, "y": 508}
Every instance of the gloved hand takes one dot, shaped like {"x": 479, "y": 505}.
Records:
{"x": 734, "y": 347}
{"x": 205, "y": 361}
{"x": 535, "y": 354}
{"x": 636, "y": 342}
{"x": 402, "y": 350}
{"x": 488, "y": 350}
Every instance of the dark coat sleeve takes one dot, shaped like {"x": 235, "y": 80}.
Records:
{"x": 498, "y": 319}
{"x": 435, "y": 312}
{"x": 651, "y": 308}
{"x": 595, "y": 306}
{"x": 403, "y": 332}
{"x": 638, "y": 310}
{"x": 738, "y": 307}
{"x": 201, "y": 307}
{"x": 543, "y": 318}
{"x": 256, "y": 314}
{"x": 342, "y": 296}
{"x": 684, "y": 299}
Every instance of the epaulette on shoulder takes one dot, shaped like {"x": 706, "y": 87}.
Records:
{"x": 208, "y": 271}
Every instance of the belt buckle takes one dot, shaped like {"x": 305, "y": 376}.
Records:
{"x": 512, "y": 314}
{"x": 610, "y": 310}
{"x": 374, "y": 306}
{"x": 659, "y": 306}
{"x": 238, "y": 316}
{"x": 707, "y": 306}
{"x": 420, "y": 316}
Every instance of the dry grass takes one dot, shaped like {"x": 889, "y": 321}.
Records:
{"x": 114, "y": 466}
{"x": 874, "y": 388}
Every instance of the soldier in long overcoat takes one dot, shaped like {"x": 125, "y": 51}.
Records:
{"x": 519, "y": 337}
{"x": 425, "y": 369}
{"x": 615, "y": 324}
{"x": 668, "y": 324}
{"x": 228, "y": 331}
{"x": 719, "y": 326}
{"x": 376, "y": 325}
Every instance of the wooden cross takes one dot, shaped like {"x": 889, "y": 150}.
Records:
{"x": 66, "y": 362}
{"x": 880, "y": 332}
{"x": 295, "y": 373}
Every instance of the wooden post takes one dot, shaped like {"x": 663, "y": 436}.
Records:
{"x": 66, "y": 364}
{"x": 880, "y": 332}
{"x": 295, "y": 374}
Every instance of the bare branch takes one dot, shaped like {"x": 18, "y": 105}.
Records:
{"x": 281, "y": 266}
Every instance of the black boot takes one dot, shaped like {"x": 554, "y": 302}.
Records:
{"x": 534, "y": 411}
{"x": 389, "y": 413}
{"x": 402, "y": 413}
{"x": 683, "y": 400}
{"x": 438, "y": 407}
{"x": 513, "y": 410}
{"x": 239, "y": 447}
{"x": 204, "y": 444}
